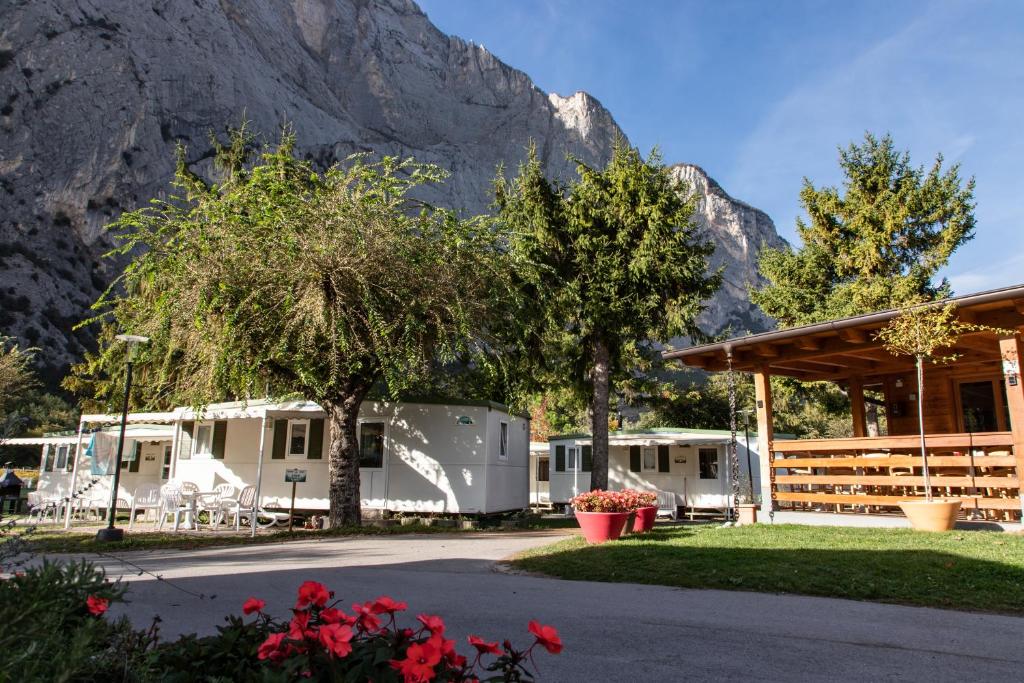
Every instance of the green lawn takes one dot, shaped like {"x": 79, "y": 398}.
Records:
{"x": 960, "y": 570}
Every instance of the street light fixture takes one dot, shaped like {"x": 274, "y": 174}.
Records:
{"x": 110, "y": 534}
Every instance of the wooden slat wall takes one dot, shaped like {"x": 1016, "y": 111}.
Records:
{"x": 981, "y": 469}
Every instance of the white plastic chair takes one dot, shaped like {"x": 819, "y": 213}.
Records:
{"x": 145, "y": 498}
{"x": 173, "y": 503}
{"x": 40, "y": 507}
{"x": 667, "y": 505}
{"x": 216, "y": 503}
{"x": 246, "y": 506}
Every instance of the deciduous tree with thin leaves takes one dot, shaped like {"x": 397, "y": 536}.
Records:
{"x": 607, "y": 266}
{"x": 924, "y": 332}
{"x": 283, "y": 280}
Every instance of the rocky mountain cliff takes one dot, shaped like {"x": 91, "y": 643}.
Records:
{"x": 94, "y": 96}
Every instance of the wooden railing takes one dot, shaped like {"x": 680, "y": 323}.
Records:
{"x": 873, "y": 474}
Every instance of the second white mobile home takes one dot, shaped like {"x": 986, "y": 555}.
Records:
{"x": 690, "y": 464}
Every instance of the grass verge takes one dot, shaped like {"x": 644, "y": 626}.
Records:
{"x": 981, "y": 571}
{"x": 46, "y": 540}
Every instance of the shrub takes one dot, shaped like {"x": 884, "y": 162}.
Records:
{"x": 638, "y": 499}
{"x": 321, "y": 642}
{"x": 601, "y": 501}
{"x": 53, "y": 626}
{"x": 49, "y": 630}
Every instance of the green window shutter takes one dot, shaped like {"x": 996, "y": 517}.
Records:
{"x": 188, "y": 430}
{"x": 588, "y": 458}
{"x": 663, "y": 461}
{"x": 280, "y": 439}
{"x": 220, "y": 435}
{"x": 133, "y": 464}
{"x": 634, "y": 458}
{"x": 559, "y": 458}
{"x": 316, "y": 439}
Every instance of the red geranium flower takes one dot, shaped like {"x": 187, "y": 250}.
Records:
{"x": 366, "y": 619}
{"x": 420, "y": 660}
{"x": 271, "y": 648}
{"x": 97, "y": 605}
{"x": 253, "y": 605}
{"x": 446, "y": 647}
{"x": 385, "y": 605}
{"x": 483, "y": 647}
{"x": 335, "y": 638}
{"x": 336, "y": 616}
{"x": 312, "y": 593}
{"x": 547, "y": 636}
{"x": 433, "y": 623}
{"x": 299, "y": 629}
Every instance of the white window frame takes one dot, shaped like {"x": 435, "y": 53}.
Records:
{"x": 503, "y": 440}
{"x": 644, "y": 451}
{"x": 572, "y": 458}
{"x": 305, "y": 441}
{"x": 60, "y": 464}
{"x": 197, "y": 442}
{"x": 384, "y": 446}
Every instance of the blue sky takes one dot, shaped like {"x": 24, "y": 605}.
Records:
{"x": 761, "y": 93}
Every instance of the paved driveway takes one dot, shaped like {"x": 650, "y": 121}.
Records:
{"x": 612, "y": 632}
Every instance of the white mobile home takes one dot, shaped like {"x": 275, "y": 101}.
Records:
{"x": 469, "y": 458}
{"x": 692, "y": 464}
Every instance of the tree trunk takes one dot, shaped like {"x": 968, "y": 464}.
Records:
{"x": 343, "y": 458}
{"x": 600, "y": 373}
{"x": 920, "y": 424}
{"x": 871, "y": 418}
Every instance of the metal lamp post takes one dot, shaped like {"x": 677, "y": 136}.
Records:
{"x": 110, "y": 534}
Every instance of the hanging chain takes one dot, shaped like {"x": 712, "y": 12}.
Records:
{"x": 734, "y": 462}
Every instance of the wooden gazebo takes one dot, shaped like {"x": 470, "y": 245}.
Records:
{"x": 973, "y": 413}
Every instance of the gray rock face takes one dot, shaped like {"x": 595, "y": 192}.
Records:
{"x": 739, "y": 232}
{"x": 95, "y": 95}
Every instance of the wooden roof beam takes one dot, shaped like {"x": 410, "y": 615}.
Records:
{"x": 854, "y": 335}
{"x": 809, "y": 343}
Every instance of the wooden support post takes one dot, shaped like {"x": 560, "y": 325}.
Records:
{"x": 765, "y": 437}
{"x": 860, "y": 424}
{"x": 1012, "y": 352}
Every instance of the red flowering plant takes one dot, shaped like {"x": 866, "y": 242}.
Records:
{"x": 635, "y": 500}
{"x": 325, "y": 642}
{"x": 601, "y": 501}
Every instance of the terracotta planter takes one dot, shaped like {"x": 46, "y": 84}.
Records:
{"x": 599, "y": 527}
{"x": 644, "y": 520}
{"x": 931, "y": 515}
{"x": 747, "y": 514}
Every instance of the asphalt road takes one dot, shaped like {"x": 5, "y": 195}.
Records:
{"x": 612, "y": 632}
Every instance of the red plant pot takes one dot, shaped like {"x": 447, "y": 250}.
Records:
{"x": 645, "y": 517}
{"x": 599, "y": 527}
